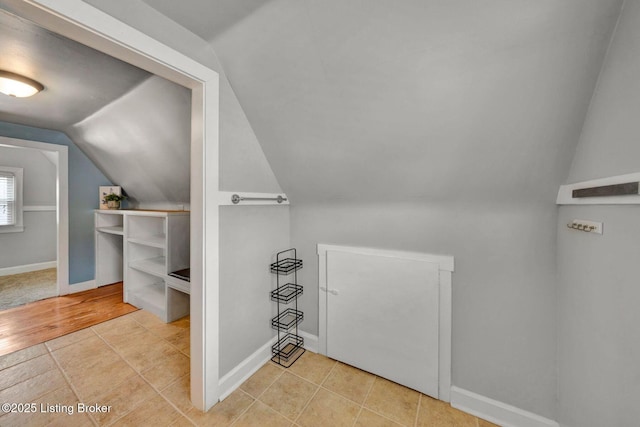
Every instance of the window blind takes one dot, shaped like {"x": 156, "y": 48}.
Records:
{"x": 7, "y": 198}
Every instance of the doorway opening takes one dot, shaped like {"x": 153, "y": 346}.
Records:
{"x": 80, "y": 21}
{"x": 24, "y": 279}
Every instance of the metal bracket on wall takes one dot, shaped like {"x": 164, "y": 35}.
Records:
{"x": 587, "y": 226}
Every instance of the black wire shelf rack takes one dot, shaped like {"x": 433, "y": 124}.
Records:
{"x": 287, "y": 319}
{"x": 287, "y": 350}
{"x": 286, "y": 266}
{"x": 290, "y": 345}
{"x": 286, "y": 293}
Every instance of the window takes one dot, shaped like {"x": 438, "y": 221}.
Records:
{"x": 10, "y": 199}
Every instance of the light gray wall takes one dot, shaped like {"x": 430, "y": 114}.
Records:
{"x": 37, "y": 243}
{"x": 84, "y": 179}
{"x": 599, "y": 334}
{"x": 379, "y": 118}
{"x": 243, "y": 166}
{"x": 599, "y": 320}
{"x": 504, "y": 295}
{"x": 39, "y": 180}
{"x": 250, "y": 236}
{"x": 142, "y": 141}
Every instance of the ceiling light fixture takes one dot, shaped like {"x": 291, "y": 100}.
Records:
{"x": 19, "y": 86}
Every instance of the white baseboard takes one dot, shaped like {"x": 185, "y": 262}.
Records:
{"x": 27, "y": 268}
{"x": 495, "y": 411}
{"x": 231, "y": 381}
{"x": 310, "y": 341}
{"x": 82, "y": 286}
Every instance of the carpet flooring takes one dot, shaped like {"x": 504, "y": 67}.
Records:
{"x": 20, "y": 289}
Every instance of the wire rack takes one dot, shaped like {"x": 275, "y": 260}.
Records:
{"x": 290, "y": 345}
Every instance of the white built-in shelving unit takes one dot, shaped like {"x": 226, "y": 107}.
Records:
{"x": 140, "y": 248}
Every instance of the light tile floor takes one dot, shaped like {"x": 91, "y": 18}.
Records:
{"x": 139, "y": 367}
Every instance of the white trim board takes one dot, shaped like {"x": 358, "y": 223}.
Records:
{"x": 27, "y": 268}
{"x": 310, "y": 341}
{"x": 234, "y": 378}
{"x": 249, "y": 366}
{"x": 82, "y": 286}
{"x": 565, "y": 196}
{"x": 62, "y": 202}
{"x": 38, "y": 208}
{"x": 445, "y": 262}
{"x": 92, "y": 27}
{"x": 496, "y": 411}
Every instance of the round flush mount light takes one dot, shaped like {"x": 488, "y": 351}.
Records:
{"x": 19, "y": 86}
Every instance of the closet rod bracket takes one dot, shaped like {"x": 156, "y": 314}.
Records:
{"x": 235, "y": 199}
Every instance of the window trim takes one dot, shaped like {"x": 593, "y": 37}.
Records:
{"x": 18, "y": 227}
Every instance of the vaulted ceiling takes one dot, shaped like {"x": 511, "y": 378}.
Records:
{"x": 408, "y": 100}
{"x": 134, "y": 126}
{"x": 78, "y": 80}
{"x": 370, "y": 100}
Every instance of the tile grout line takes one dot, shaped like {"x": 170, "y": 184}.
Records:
{"x": 245, "y": 409}
{"x": 415, "y": 423}
{"x": 158, "y": 392}
{"x": 365, "y": 399}
{"x": 306, "y": 404}
{"x": 304, "y": 379}
{"x": 67, "y": 379}
{"x": 280, "y": 413}
{"x": 25, "y": 360}
{"x": 157, "y": 335}
{"x": 134, "y": 370}
{"x": 319, "y": 386}
{"x": 267, "y": 387}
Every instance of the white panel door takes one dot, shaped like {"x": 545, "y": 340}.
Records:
{"x": 382, "y": 317}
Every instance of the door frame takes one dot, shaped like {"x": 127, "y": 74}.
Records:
{"x": 62, "y": 203}
{"x": 82, "y": 22}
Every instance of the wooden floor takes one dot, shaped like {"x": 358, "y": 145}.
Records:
{"x": 40, "y": 321}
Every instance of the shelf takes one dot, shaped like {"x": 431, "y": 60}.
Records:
{"x": 286, "y": 293}
{"x": 154, "y": 266}
{"x": 179, "y": 285}
{"x": 119, "y": 230}
{"x": 286, "y": 266}
{"x": 149, "y": 297}
{"x": 287, "y": 350}
{"x": 157, "y": 241}
{"x": 287, "y": 319}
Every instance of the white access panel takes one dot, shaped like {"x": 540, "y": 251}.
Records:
{"x": 382, "y": 316}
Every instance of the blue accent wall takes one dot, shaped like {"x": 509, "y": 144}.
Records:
{"x": 84, "y": 180}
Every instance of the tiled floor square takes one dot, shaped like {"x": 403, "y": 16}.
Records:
{"x": 262, "y": 379}
{"x": 288, "y": 395}
{"x": 349, "y": 382}
{"x": 260, "y": 415}
{"x": 225, "y": 412}
{"x": 312, "y": 367}
{"x": 327, "y": 408}
{"x": 139, "y": 366}
{"x": 393, "y": 401}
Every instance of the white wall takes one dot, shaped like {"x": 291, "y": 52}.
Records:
{"x": 37, "y": 243}
{"x": 504, "y": 336}
{"x": 250, "y": 236}
{"x": 599, "y": 335}
{"x": 430, "y": 126}
{"x": 243, "y": 166}
{"x": 141, "y": 142}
